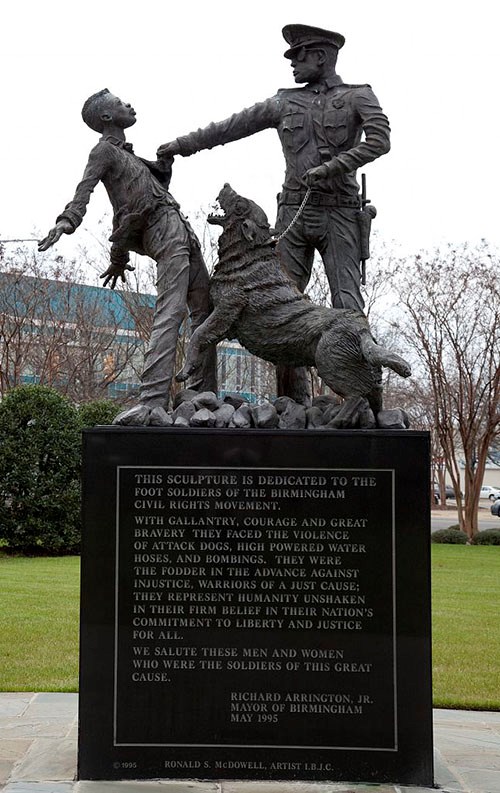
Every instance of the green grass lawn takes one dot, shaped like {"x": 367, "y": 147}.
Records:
{"x": 39, "y": 625}
{"x": 39, "y": 613}
{"x": 466, "y": 626}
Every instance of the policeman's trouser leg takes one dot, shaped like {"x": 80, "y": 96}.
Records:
{"x": 294, "y": 382}
{"x": 296, "y": 255}
{"x": 339, "y": 247}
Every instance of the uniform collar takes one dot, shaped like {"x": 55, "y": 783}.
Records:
{"x": 330, "y": 82}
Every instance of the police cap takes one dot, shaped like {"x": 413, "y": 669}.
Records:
{"x": 298, "y": 36}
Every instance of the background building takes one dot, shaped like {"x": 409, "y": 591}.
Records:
{"x": 89, "y": 342}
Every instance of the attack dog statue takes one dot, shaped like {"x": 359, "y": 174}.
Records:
{"x": 256, "y": 302}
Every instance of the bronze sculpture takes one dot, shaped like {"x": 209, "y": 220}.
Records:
{"x": 257, "y": 302}
{"x": 320, "y": 127}
{"x": 147, "y": 220}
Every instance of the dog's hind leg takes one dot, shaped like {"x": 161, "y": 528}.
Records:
{"x": 377, "y": 355}
{"x": 349, "y": 413}
{"x": 375, "y": 399}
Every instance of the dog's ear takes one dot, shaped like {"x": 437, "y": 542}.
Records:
{"x": 249, "y": 230}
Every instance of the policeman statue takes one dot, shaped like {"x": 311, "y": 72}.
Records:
{"x": 328, "y": 129}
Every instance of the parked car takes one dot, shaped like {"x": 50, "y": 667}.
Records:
{"x": 449, "y": 492}
{"x": 495, "y": 508}
{"x": 487, "y": 491}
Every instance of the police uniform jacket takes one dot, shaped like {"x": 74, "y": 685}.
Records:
{"x": 315, "y": 123}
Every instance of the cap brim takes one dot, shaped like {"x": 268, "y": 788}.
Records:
{"x": 313, "y": 45}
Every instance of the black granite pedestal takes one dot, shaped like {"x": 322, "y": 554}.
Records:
{"x": 256, "y": 605}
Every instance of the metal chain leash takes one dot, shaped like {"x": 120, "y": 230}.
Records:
{"x": 296, "y": 216}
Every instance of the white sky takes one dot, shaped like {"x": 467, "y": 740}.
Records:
{"x": 434, "y": 66}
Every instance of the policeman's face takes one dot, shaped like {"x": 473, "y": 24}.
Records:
{"x": 307, "y": 65}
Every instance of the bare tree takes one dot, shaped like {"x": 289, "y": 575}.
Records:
{"x": 441, "y": 310}
{"x": 451, "y": 300}
{"x": 416, "y": 397}
{"x": 56, "y": 331}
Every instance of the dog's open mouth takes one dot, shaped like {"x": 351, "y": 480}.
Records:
{"x": 227, "y": 203}
{"x": 218, "y": 216}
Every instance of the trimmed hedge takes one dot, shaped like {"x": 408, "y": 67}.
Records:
{"x": 452, "y": 535}
{"x": 101, "y": 411}
{"x": 487, "y": 537}
{"x": 39, "y": 471}
{"x": 40, "y": 462}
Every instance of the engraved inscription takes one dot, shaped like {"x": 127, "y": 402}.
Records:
{"x": 256, "y": 592}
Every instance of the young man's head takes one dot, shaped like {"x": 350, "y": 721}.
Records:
{"x": 105, "y": 109}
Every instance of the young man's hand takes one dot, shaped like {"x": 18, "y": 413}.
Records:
{"x": 113, "y": 273}
{"x": 62, "y": 226}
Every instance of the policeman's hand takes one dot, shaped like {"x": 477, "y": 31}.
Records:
{"x": 62, "y": 226}
{"x": 113, "y": 273}
{"x": 168, "y": 150}
{"x": 315, "y": 175}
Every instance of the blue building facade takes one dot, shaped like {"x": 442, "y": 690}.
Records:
{"x": 90, "y": 342}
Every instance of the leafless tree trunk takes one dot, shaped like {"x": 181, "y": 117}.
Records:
{"x": 451, "y": 300}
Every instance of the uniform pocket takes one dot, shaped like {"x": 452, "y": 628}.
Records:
{"x": 294, "y": 131}
{"x": 336, "y": 129}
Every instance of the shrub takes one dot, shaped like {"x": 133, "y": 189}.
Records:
{"x": 39, "y": 471}
{"x": 101, "y": 411}
{"x": 452, "y": 535}
{"x": 487, "y": 537}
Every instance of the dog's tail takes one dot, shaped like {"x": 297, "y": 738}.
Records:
{"x": 377, "y": 355}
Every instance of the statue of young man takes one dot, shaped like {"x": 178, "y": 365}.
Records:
{"x": 147, "y": 220}
{"x": 321, "y": 127}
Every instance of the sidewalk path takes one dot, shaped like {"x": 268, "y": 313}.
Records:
{"x": 38, "y": 755}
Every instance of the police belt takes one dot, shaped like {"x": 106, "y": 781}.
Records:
{"x": 295, "y": 197}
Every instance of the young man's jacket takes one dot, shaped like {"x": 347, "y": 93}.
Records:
{"x": 137, "y": 189}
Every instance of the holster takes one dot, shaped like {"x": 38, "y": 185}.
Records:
{"x": 365, "y": 217}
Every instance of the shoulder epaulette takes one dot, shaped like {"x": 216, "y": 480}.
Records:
{"x": 290, "y": 90}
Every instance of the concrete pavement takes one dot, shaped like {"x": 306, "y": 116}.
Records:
{"x": 38, "y": 755}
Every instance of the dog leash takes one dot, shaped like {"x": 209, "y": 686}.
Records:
{"x": 295, "y": 218}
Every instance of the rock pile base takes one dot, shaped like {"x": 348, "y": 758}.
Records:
{"x": 205, "y": 409}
